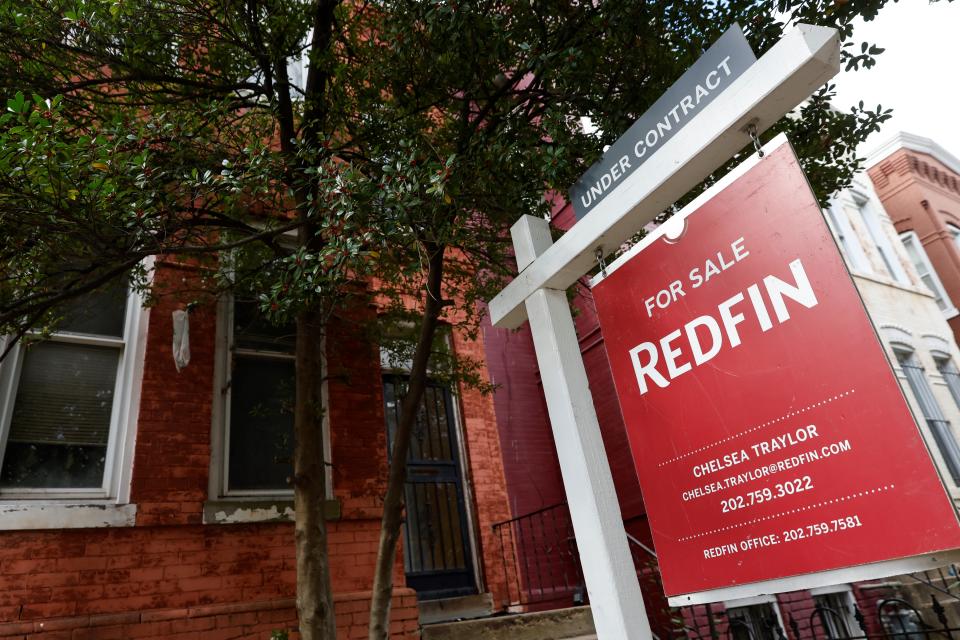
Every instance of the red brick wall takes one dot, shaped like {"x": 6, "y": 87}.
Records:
{"x": 173, "y": 577}
{"x": 144, "y": 575}
{"x": 529, "y": 454}
{"x": 485, "y": 467}
{"x": 172, "y": 452}
{"x": 238, "y": 621}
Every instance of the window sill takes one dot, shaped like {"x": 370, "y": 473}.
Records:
{"x": 247, "y": 510}
{"x": 51, "y": 515}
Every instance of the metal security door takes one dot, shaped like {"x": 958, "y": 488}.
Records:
{"x": 436, "y": 549}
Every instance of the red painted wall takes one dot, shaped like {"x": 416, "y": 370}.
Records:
{"x": 530, "y": 458}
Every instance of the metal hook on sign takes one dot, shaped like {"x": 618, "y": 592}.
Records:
{"x": 752, "y": 131}
{"x": 603, "y": 265}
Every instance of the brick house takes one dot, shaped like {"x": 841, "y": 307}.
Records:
{"x": 139, "y": 501}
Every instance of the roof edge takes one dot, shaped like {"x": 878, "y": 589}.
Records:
{"x": 904, "y": 140}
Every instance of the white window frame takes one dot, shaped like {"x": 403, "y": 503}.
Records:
{"x": 749, "y": 602}
{"x": 297, "y": 68}
{"x": 300, "y": 66}
{"x": 926, "y": 268}
{"x": 849, "y": 617}
{"x": 218, "y": 489}
{"x": 850, "y": 245}
{"x": 108, "y": 505}
{"x": 930, "y": 410}
{"x": 954, "y": 233}
{"x": 951, "y": 383}
{"x": 871, "y": 220}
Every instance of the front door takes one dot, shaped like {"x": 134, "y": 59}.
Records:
{"x": 436, "y": 548}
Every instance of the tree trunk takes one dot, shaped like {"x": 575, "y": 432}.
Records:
{"x": 314, "y": 591}
{"x": 393, "y": 501}
{"x": 314, "y": 594}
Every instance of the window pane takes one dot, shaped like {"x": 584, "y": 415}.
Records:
{"x": 951, "y": 376}
{"x": 61, "y": 417}
{"x": 833, "y": 615}
{"x": 100, "y": 312}
{"x": 936, "y": 421}
{"x": 887, "y": 261}
{"x": 928, "y": 280}
{"x": 922, "y": 264}
{"x": 261, "y": 423}
{"x": 252, "y": 331}
{"x": 918, "y": 262}
{"x": 917, "y": 379}
{"x": 876, "y": 235}
{"x": 754, "y": 622}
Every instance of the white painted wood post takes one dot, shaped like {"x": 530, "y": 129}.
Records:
{"x": 615, "y": 599}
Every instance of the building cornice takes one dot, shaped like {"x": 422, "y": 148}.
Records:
{"x": 904, "y": 140}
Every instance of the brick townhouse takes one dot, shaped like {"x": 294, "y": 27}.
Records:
{"x": 139, "y": 501}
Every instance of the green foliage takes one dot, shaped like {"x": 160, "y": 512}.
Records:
{"x": 139, "y": 128}
{"x": 183, "y": 130}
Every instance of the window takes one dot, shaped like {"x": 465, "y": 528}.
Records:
{"x": 835, "y": 613}
{"x": 755, "y": 621}
{"x": 902, "y": 622}
{"x": 872, "y": 221}
{"x": 954, "y": 233}
{"x": 925, "y": 270}
{"x": 849, "y": 245}
{"x": 258, "y": 397}
{"x": 297, "y": 68}
{"x": 932, "y": 413}
{"x": 68, "y": 403}
{"x": 298, "y": 65}
{"x": 950, "y": 375}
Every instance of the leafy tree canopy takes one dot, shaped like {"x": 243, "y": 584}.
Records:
{"x": 151, "y": 127}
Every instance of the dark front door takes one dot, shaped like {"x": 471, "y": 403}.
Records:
{"x": 436, "y": 549}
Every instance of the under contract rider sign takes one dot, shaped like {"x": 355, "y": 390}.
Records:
{"x": 771, "y": 436}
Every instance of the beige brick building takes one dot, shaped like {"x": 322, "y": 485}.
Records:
{"x": 910, "y": 315}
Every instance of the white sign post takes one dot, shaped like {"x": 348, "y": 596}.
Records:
{"x": 787, "y": 74}
{"x": 594, "y": 511}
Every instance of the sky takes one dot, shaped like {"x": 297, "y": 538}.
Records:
{"x": 918, "y": 75}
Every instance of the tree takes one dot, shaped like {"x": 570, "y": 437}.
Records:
{"x": 174, "y": 128}
{"x": 509, "y": 123}
{"x": 419, "y": 132}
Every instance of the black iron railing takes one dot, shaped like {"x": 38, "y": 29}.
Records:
{"x": 541, "y": 561}
{"x": 540, "y": 558}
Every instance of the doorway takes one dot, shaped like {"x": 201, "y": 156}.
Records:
{"x": 436, "y": 543}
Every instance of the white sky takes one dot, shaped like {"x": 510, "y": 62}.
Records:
{"x": 917, "y": 75}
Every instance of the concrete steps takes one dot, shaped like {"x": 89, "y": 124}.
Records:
{"x": 456, "y": 609}
{"x": 573, "y": 623}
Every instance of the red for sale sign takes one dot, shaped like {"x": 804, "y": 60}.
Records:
{"x": 769, "y": 433}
